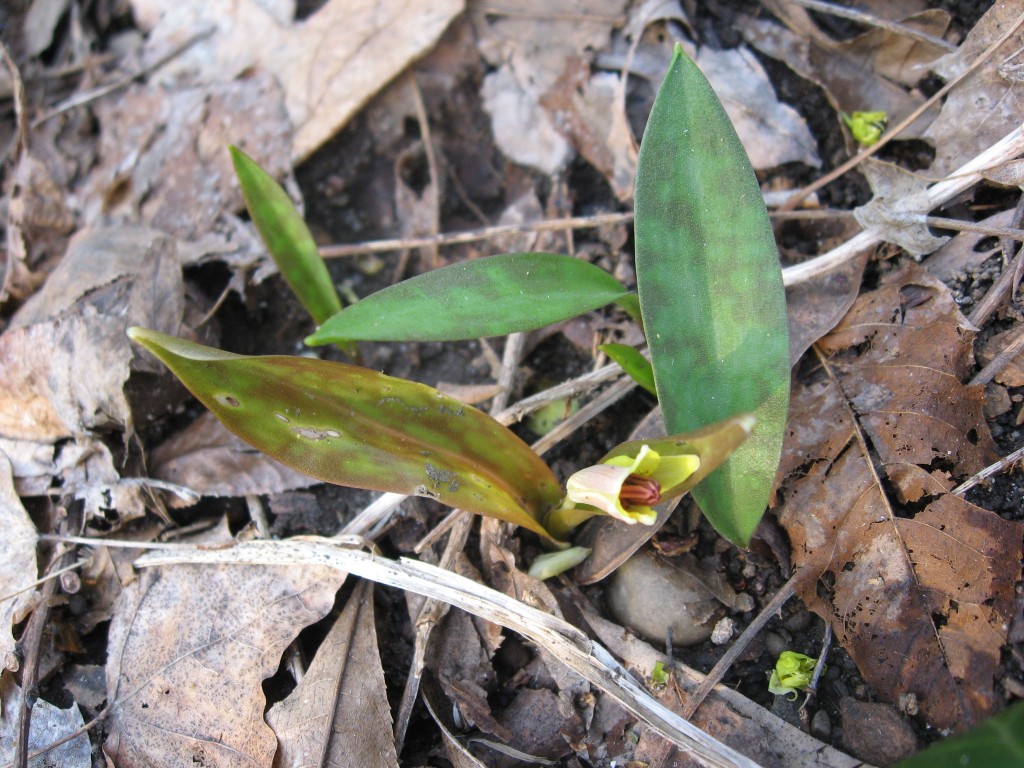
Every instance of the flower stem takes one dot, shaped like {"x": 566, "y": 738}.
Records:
{"x": 561, "y": 521}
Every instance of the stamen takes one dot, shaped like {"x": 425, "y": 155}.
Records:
{"x": 640, "y": 492}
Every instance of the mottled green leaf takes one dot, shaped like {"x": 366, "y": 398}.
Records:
{"x": 287, "y": 238}
{"x": 491, "y": 296}
{"x": 996, "y": 743}
{"x": 633, "y": 363}
{"x": 354, "y": 426}
{"x": 711, "y": 291}
{"x": 712, "y": 443}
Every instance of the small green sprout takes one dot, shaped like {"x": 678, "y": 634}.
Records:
{"x": 659, "y": 677}
{"x": 866, "y": 127}
{"x": 553, "y": 563}
{"x": 792, "y": 673}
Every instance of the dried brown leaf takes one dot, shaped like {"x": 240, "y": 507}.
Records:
{"x": 163, "y": 153}
{"x": 961, "y": 253}
{"x": 210, "y": 460}
{"x": 901, "y": 354}
{"x": 850, "y": 85}
{"x": 188, "y": 649}
{"x": 94, "y": 258}
{"x": 338, "y": 714}
{"x": 531, "y": 43}
{"x": 64, "y": 377}
{"x": 919, "y": 596}
{"x": 896, "y": 57}
{"x": 988, "y": 103}
{"x": 897, "y": 213}
{"x": 17, "y": 566}
{"x": 813, "y": 307}
{"x": 49, "y": 724}
{"x": 329, "y": 64}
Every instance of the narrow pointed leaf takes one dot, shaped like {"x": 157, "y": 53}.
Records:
{"x": 491, "y": 296}
{"x": 711, "y": 291}
{"x": 636, "y": 366}
{"x": 287, "y": 238}
{"x": 353, "y": 426}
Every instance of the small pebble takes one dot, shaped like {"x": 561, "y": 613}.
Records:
{"x": 775, "y": 644}
{"x": 723, "y": 631}
{"x": 799, "y": 621}
{"x": 653, "y": 598}
{"x": 821, "y": 725}
{"x": 875, "y": 732}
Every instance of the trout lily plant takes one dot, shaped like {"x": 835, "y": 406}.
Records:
{"x": 710, "y": 300}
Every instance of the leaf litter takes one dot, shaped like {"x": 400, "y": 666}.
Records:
{"x": 916, "y": 582}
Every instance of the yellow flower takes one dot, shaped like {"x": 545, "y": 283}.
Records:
{"x": 627, "y": 488}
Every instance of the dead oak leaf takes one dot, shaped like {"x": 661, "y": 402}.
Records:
{"x": 338, "y": 714}
{"x": 920, "y": 596}
{"x": 189, "y": 647}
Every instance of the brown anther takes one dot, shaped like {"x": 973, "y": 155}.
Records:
{"x": 640, "y": 492}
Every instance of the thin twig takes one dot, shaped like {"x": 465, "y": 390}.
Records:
{"x": 1007, "y": 148}
{"x": 819, "y": 667}
{"x": 86, "y": 97}
{"x": 431, "y": 613}
{"x": 694, "y": 700}
{"x": 474, "y": 235}
{"x": 986, "y": 374}
{"x": 957, "y": 225}
{"x": 515, "y": 345}
{"x": 873, "y": 21}
{"x": 989, "y": 471}
{"x": 903, "y": 124}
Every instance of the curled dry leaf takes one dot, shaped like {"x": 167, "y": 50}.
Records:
{"x": 898, "y": 210}
{"x": 189, "y": 649}
{"x": 17, "y": 566}
{"x": 918, "y": 588}
{"x": 338, "y": 714}
{"x": 210, "y": 460}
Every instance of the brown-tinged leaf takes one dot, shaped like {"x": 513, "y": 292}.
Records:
{"x": 189, "y": 648}
{"x": 212, "y": 461}
{"x": 988, "y": 103}
{"x": 338, "y": 714}
{"x": 63, "y": 377}
{"x": 920, "y": 599}
{"x": 49, "y": 724}
{"x": 17, "y": 566}
{"x": 329, "y": 64}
